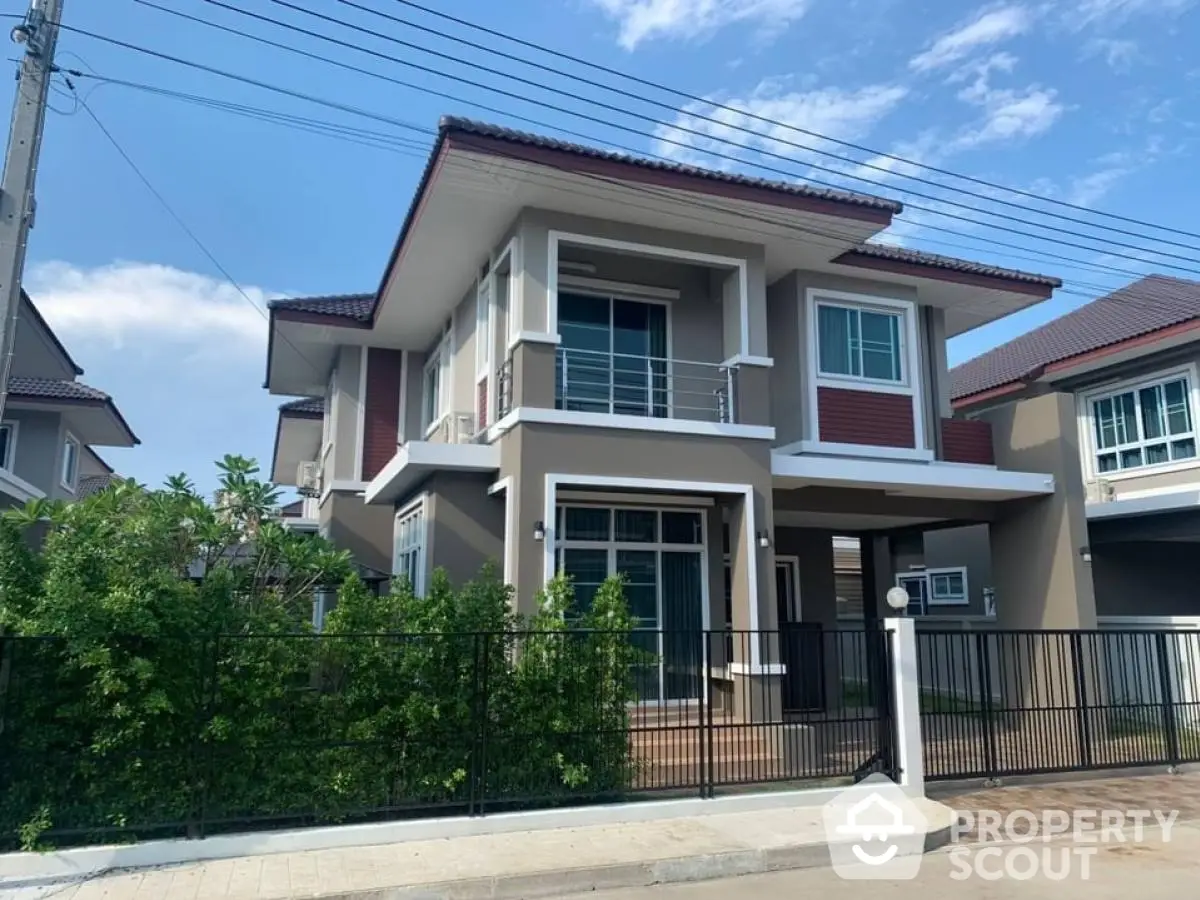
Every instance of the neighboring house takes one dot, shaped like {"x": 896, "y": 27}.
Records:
{"x": 52, "y": 421}
{"x": 1128, "y": 361}
{"x": 585, "y": 362}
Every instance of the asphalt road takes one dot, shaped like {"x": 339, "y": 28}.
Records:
{"x": 1149, "y": 870}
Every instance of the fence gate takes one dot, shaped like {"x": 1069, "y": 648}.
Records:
{"x": 1005, "y": 702}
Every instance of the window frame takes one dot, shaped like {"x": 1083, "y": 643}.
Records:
{"x": 822, "y": 301}
{"x": 9, "y": 459}
{"x": 439, "y": 360}
{"x": 931, "y": 599}
{"x": 1086, "y": 401}
{"x": 417, "y": 510}
{"x": 914, "y": 383}
{"x": 70, "y": 483}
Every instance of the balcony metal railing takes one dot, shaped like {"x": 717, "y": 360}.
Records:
{"x": 651, "y": 386}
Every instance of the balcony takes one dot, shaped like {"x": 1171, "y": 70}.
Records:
{"x": 967, "y": 441}
{"x": 646, "y": 386}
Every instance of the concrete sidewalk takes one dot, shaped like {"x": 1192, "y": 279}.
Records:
{"x": 516, "y": 864}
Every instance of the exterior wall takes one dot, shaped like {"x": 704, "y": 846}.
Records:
{"x": 1135, "y": 483}
{"x": 366, "y": 531}
{"x": 787, "y": 303}
{"x": 39, "y": 450}
{"x": 381, "y": 417}
{"x": 90, "y": 464}
{"x": 1040, "y": 577}
{"x": 529, "y": 452}
{"x": 787, "y": 375}
{"x": 462, "y": 349}
{"x": 465, "y": 526}
{"x": 344, "y": 460}
{"x": 36, "y": 353}
{"x": 534, "y": 227}
{"x": 970, "y": 548}
{"x": 414, "y": 393}
{"x": 967, "y": 441}
{"x": 865, "y": 417}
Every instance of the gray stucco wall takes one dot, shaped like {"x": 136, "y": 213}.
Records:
{"x": 787, "y": 375}
{"x": 969, "y": 546}
{"x": 347, "y": 383}
{"x": 39, "y": 450}
{"x": 534, "y": 227}
{"x": 465, "y": 525}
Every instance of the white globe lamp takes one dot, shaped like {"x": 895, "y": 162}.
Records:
{"x": 897, "y": 598}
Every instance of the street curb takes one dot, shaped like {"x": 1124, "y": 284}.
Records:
{"x": 557, "y": 882}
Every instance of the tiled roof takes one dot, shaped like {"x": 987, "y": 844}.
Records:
{"x": 1146, "y": 306}
{"x": 53, "y": 389}
{"x": 936, "y": 260}
{"x": 308, "y": 406}
{"x": 484, "y": 129}
{"x": 353, "y": 306}
{"x": 94, "y": 484}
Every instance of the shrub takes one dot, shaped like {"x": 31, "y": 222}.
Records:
{"x": 143, "y": 695}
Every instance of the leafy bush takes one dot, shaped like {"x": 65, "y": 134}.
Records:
{"x": 161, "y": 675}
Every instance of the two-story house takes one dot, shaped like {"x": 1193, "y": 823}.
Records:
{"x": 52, "y": 421}
{"x": 585, "y": 362}
{"x": 1128, "y": 360}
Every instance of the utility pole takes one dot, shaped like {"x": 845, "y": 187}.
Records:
{"x": 39, "y": 33}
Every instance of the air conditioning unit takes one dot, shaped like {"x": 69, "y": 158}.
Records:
{"x": 1100, "y": 491}
{"x": 308, "y": 479}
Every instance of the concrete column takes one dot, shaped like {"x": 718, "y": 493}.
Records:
{"x": 1040, "y": 577}
{"x": 757, "y": 692}
{"x": 752, "y": 396}
{"x": 527, "y": 553}
{"x": 533, "y": 368}
{"x": 906, "y": 706}
{"x": 878, "y": 573}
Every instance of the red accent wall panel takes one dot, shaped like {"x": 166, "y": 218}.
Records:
{"x": 968, "y": 441}
{"x": 848, "y": 416}
{"x": 381, "y": 417}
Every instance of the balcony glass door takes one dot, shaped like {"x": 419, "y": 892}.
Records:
{"x": 613, "y": 357}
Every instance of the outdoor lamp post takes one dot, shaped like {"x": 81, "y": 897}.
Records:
{"x": 897, "y": 598}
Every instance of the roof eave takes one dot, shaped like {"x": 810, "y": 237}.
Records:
{"x": 1041, "y": 290}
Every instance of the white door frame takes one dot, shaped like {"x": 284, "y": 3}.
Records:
{"x": 793, "y": 563}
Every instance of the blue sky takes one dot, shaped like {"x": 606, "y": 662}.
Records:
{"x": 1089, "y": 101}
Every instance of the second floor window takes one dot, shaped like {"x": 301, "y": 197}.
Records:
{"x": 70, "y": 462}
{"x": 8, "y": 442}
{"x": 854, "y": 342}
{"x": 1145, "y": 426}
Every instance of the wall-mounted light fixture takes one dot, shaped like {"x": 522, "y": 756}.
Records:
{"x": 764, "y": 540}
{"x": 1085, "y": 553}
{"x": 539, "y": 531}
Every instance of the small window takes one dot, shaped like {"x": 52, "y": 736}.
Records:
{"x": 948, "y": 588}
{"x": 8, "y": 445}
{"x": 408, "y": 556}
{"x": 854, "y": 342}
{"x": 436, "y": 386}
{"x": 70, "y": 462}
{"x": 682, "y": 528}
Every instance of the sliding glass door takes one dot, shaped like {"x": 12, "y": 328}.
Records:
{"x": 613, "y": 356}
{"x": 660, "y": 555}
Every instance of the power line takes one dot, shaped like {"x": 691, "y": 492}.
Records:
{"x": 820, "y": 238}
{"x": 585, "y": 137}
{"x": 675, "y": 127}
{"x": 163, "y": 202}
{"x": 387, "y": 119}
{"x": 767, "y": 120}
{"x": 742, "y": 128}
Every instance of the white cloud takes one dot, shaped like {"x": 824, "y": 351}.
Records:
{"x": 1010, "y": 115}
{"x": 838, "y": 113}
{"x": 1088, "y": 189}
{"x": 988, "y": 27}
{"x": 1100, "y": 12}
{"x": 1118, "y": 54}
{"x": 642, "y": 20}
{"x": 126, "y": 303}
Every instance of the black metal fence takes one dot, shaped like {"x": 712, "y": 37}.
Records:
{"x": 196, "y": 737}
{"x": 996, "y": 703}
